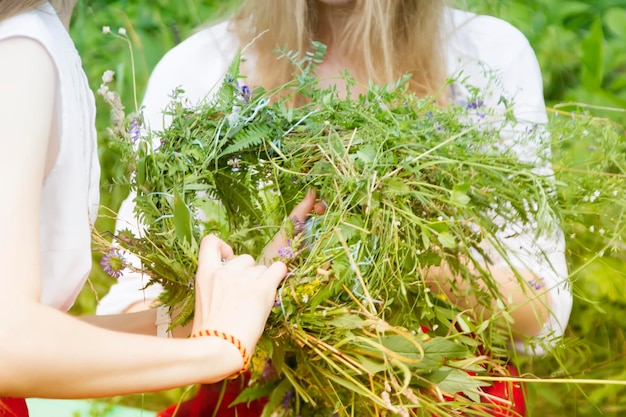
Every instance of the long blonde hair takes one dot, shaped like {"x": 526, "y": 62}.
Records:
{"x": 9, "y": 8}
{"x": 383, "y": 39}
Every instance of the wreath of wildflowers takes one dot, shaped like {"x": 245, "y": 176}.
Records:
{"x": 408, "y": 184}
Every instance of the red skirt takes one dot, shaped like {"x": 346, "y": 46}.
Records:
{"x": 211, "y": 401}
{"x": 13, "y": 407}
{"x": 502, "y": 399}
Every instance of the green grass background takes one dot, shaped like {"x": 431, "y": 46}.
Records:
{"x": 581, "y": 47}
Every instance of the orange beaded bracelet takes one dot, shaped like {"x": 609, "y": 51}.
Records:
{"x": 232, "y": 339}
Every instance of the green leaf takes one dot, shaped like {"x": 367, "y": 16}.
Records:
{"x": 438, "y": 349}
{"x": 182, "y": 218}
{"x": 459, "y": 381}
{"x": 370, "y": 364}
{"x": 345, "y": 321}
{"x": 447, "y": 240}
{"x": 394, "y": 186}
{"x": 615, "y": 20}
{"x": 254, "y": 392}
{"x": 593, "y": 57}
{"x": 366, "y": 154}
{"x": 459, "y": 195}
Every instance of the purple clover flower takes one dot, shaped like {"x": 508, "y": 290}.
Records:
{"x": 113, "y": 263}
{"x": 246, "y": 93}
{"x": 286, "y": 252}
{"x": 269, "y": 372}
{"x": 287, "y": 399}
{"x": 473, "y": 105}
{"x": 134, "y": 131}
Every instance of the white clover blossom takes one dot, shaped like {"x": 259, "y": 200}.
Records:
{"x": 103, "y": 90}
{"x": 108, "y": 75}
{"x": 110, "y": 96}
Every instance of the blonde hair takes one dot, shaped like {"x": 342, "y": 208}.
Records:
{"x": 382, "y": 39}
{"x": 9, "y": 8}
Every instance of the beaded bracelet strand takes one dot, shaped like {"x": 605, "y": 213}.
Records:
{"x": 232, "y": 339}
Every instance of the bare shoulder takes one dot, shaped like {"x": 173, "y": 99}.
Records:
{"x": 27, "y": 68}
{"x": 20, "y": 50}
{"x": 27, "y": 99}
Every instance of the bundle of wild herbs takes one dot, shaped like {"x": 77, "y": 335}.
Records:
{"x": 408, "y": 184}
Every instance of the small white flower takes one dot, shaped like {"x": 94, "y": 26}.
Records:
{"x": 106, "y": 30}
{"x": 103, "y": 90}
{"x": 122, "y": 31}
{"x": 110, "y": 97}
{"x": 396, "y": 223}
{"x": 107, "y": 77}
{"x": 592, "y": 228}
{"x": 305, "y": 298}
{"x": 585, "y": 132}
{"x": 615, "y": 193}
{"x": 601, "y": 231}
{"x": 601, "y": 254}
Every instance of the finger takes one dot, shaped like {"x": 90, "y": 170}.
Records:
{"x": 274, "y": 274}
{"x": 212, "y": 251}
{"x": 241, "y": 261}
{"x": 302, "y": 210}
{"x": 319, "y": 207}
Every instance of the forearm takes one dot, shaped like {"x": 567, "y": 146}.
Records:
{"x": 46, "y": 355}
{"x": 528, "y": 307}
{"x": 140, "y": 322}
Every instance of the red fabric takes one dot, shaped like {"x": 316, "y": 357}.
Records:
{"x": 13, "y": 407}
{"x": 505, "y": 399}
{"x": 208, "y": 400}
{"x": 501, "y": 399}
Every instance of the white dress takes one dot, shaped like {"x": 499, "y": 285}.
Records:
{"x": 69, "y": 200}
{"x": 478, "y": 47}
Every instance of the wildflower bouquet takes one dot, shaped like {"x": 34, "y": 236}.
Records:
{"x": 408, "y": 184}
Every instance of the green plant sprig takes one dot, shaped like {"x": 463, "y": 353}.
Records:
{"x": 408, "y": 184}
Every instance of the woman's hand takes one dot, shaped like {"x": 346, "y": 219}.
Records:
{"x": 233, "y": 293}
{"x": 299, "y": 215}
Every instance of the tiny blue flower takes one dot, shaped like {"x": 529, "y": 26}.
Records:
{"x": 134, "y": 131}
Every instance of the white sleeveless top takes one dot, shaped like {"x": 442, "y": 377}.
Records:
{"x": 70, "y": 193}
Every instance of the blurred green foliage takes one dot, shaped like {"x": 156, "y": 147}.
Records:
{"x": 581, "y": 47}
